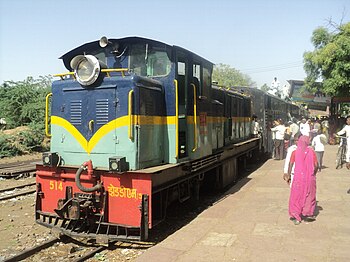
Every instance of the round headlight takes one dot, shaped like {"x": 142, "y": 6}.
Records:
{"x": 86, "y": 69}
{"x": 46, "y": 160}
{"x": 114, "y": 166}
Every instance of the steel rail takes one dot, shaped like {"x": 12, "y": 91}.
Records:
{"x": 15, "y": 187}
{"x": 18, "y": 194}
{"x": 31, "y": 251}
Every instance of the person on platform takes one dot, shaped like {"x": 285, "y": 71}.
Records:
{"x": 318, "y": 143}
{"x": 304, "y": 127}
{"x": 294, "y": 129}
{"x": 279, "y": 139}
{"x": 302, "y": 199}
{"x": 290, "y": 150}
{"x": 346, "y": 131}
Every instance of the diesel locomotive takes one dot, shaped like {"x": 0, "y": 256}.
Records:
{"x": 135, "y": 124}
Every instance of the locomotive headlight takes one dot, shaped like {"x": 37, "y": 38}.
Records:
{"x": 87, "y": 69}
{"x": 51, "y": 159}
{"x": 118, "y": 164}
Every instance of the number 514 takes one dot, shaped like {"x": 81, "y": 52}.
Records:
{"x": 56, "y": 185}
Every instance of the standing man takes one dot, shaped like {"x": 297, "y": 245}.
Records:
{"x": 255, "y": 126}
{"x": 346, "y": 131}
{"x": 294, "y": 129}
{"x": 280, "y": 129}
{"x": 256, "y": 130}
{"x": 304, "y": 127}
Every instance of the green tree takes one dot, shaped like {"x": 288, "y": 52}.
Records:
{"x": 330, "y": 60}
{"x": 23, "y": 102}
{"x": 265, "y": 87}
{"x": 227, "y": 76}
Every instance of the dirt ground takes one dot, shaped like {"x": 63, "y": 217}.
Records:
{"x": 18, "y": 230}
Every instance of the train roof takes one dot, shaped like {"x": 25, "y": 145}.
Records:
{"x": 253, "y": 90}
{"x": 231, "y": 90}
{"x": 86, "y": 48}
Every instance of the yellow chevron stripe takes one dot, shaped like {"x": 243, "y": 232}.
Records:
{"x": 55, "y": 120}
{"x": 88, "y": 146}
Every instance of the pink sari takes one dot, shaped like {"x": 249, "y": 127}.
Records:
{"x": 302, "y": 200}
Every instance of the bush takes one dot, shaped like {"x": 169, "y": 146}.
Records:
{"x": 23, "y": 104}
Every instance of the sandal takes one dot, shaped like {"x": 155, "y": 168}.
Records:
{"x": 296, "y": 222}
{"x": 310, "y": 219}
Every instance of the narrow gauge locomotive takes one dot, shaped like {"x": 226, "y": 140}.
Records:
{"x": 135, "y": 124}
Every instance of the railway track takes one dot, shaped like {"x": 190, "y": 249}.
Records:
{"x": 12, "y": 192}
{"x": 49, "y": 243}
{"x": 22, "y": 168}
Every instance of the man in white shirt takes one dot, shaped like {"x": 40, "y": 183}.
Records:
{"x": 255, "y": 126}
{"x": 304, "y": 127}
{"x": 346, "y": 131}
{"x": 280, "y": 129}
{"x": 318, "y": 143}
{"x": 294, "y": 129}
{"x": 275, "y": 87}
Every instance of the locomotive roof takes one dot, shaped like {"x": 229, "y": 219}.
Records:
{"x": 85, "y": 48}
{"x": 231, "y": 90}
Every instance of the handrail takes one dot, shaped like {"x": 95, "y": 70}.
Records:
{"x": 65, "y": 74}
{"x": 130, "y": 135}
{"x": 107, "y": 71}
{"x": 121, "y": 70}
{"x": 176, "y": 119}
{"x": 194, "y": 117}
{"x": 47, "y": 115}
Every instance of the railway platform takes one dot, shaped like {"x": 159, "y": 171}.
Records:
{"x": 251, "y": 222}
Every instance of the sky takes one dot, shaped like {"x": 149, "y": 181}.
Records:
{"x": 261, "y": 38}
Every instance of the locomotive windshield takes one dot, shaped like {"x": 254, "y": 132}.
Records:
{"x": 148, "y": 61}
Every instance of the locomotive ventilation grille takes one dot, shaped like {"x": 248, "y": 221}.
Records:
{"x": 101, "y": 111}
{"x": 75, "y": 112}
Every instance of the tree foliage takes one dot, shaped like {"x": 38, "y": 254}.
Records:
{"x": 330, "y": 60}
{"x": 227, "y": 76}
{"x": 22, "y": 103}
{"x": 265, "y": 87}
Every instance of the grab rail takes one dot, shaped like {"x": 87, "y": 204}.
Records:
{"x": 107, "y": 71}
{"x": 47, "y": 115}
{"x": 194, "y": 117}
{"x": 130, "y": 134}
{"x": 176, "y": 119}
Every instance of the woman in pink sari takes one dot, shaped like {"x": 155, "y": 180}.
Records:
{"x": 302, "y": 200}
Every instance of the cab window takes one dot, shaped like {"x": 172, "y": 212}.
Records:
{"x": 147, "y": 61}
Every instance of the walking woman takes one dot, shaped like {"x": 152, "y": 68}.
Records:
{"x": 302, "y": 200}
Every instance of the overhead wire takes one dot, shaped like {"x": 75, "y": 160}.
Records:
{"x": 272, "y": 68}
